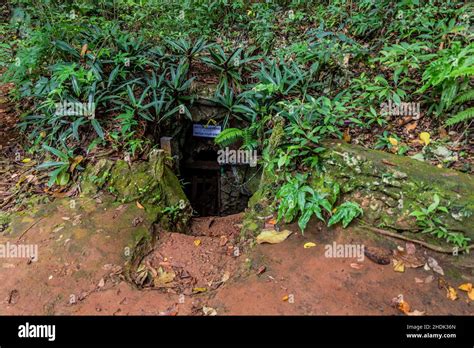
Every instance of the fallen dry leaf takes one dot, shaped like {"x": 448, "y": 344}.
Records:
{"x": 393, "y": 141}
{"x": 408, "y": 257}
{"x": 465, "y": 287}
{"x": 442, "y": 283}
{"x": 425, "y": 138}
{"x": 398, "y": 266}
{"x": 470, "y": 294}
{"x": 451, "y": 293}
{"x": 309, "y": 245}
{"x": 75, "y": 163}
{"x": 404, "y": 307}
{"x": 223, "y": 241}
{"x": 172, "y": 311}
{"x": 410, "y": 127}
{"x": 272, "y": 236}
{"x": 199, "y": 290}
{"x": 443, "y": 133}
{"x": 197, "y": 242}
{"x": 346, "y": 136}
{"x": 163, "y": 278}
{"x": 433, "y": 264}
{"x": 356, "y": 265}
{"x": 83, "y": 50}
{"x": 209, "y": 311}
{"x": 225, "y": 277}
{"x": 429, "y": 279}
{"x": 410, "y": 248}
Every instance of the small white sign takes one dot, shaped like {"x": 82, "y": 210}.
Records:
{"x": 203, "y": 131}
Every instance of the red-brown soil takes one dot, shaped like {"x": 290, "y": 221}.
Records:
{"x": 79, "y": 270}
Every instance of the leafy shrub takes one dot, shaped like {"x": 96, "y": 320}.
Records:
{"x": 346, "y": 212}
{"x": 429, "y": 221}
{"x": 450, "y": 76}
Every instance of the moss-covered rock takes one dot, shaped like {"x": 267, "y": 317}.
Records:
{"x": 4, "y": 218}
{"x": 95, "y": 176}
{"x": 259, "y": 204}
{"x": 152, "y": 183}
{"x": 390, "y": 187}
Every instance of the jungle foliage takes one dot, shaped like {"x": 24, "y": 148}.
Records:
{"x": 325, "y": 67}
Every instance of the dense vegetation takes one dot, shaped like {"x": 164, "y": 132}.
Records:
{"x": 326, "y": 68}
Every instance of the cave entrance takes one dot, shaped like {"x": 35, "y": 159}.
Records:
{"x": 213, "y": 189}
{"x": 200, "y": 172}
{"x": 201, "y": 175}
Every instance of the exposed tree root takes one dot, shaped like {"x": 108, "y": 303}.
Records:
{"x": 425, "y": 244}
{"x": 29, "y": 228}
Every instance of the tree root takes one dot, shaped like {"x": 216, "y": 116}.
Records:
{"x": 425, "y": 244}
{"x": 29, "y": 228}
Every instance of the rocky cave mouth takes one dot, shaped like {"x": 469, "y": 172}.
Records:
{"x": 213, "y": 189}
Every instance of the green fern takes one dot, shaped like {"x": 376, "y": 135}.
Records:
{"x": 465, "y": 97}
{"x": 466, "y": 114}
{"x": 229, "y": 136}
{"x": 461, "y": 117}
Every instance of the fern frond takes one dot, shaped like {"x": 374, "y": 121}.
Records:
{"x": 229, "y": 136}
{"x": 465, "y": 71}
{"x": 465, "y": 97}
{"x": 461, "y": 117}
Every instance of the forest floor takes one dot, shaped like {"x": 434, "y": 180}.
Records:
{"x": 79, "y": 270}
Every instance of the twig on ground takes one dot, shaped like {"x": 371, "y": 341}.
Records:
{"x": 29, "y": 228}
{"x": 425, "y": 244}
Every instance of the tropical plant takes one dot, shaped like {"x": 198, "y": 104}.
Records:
{"x": 188, "y": 50}
{"x": 450, "y": 76}
{"x": 346, "y": 212}
{"x": 63, "y": 168}
{"x": 297, "y": 198}
{"x": 429, "y": 221}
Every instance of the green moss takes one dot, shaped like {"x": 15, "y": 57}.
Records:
{"x": 4, "y": 218}
{"x": 389, "y": 187}
{"x": 139, "y": 235}
{"x": 255, "y": 199}
{"x": 95, "y": 176}
{"x": 453, "y": 273}
{"x": 152, "y": 183}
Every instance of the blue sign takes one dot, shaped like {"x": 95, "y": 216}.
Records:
{"x": 203, "y": 131}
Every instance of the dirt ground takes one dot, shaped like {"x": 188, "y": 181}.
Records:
{"x": 210, "y": 271}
